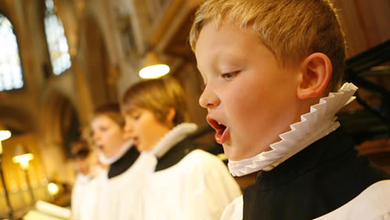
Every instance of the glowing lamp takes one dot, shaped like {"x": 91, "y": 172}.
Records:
{"x": 153, "y": 67}
{"x": 23, "y": 160}
{"x": 22, "y": 156}
{"x": 4, "y": 135}
{"x": 53, "y": 188}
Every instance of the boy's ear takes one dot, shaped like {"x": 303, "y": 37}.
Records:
{"x": 171, "y": 115}
{"x": 316, "y": 72}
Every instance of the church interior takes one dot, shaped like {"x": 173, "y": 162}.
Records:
{"x": 60, "y": 59}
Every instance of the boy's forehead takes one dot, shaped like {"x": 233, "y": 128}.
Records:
{"x": 131, "y": 109}
{"x": 135, "y": 109}
{"x": 208, "y": 34}
{"x": 218, "y": 25}
{"x": 227, "y": 37}
{"x": 204, "y": 42}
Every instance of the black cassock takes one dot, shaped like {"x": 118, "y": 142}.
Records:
{"x": 319, "y": 179}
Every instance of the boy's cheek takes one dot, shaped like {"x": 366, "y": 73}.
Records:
{"x": 126, "y": 135}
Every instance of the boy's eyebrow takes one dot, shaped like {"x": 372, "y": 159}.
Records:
{"x": 128, "y": 110}
{"x": 132, "y": 110}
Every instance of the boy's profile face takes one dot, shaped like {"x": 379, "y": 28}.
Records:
{"x": 108, "y": 136}
{"x": 250, "y": 98}
{"x": 144, "y": 128}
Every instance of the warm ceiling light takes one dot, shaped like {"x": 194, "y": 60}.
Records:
{"x": 22, "y": 156}
{"x": 4, "y": 135}
{"x": 153, "y": 67}
{"x": 53, "y": 188}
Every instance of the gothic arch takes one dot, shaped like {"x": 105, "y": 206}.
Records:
{"x": 59, "y": 121}
{"x": 100, "y": 77}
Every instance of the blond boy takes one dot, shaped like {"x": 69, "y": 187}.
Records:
{"x": 268, "y": 67}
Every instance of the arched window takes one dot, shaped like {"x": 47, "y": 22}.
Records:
{"x": 56, "y": 40}
{"x": 11, "y": 76}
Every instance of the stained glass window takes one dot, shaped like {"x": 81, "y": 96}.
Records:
{"x": 11, "y": 76}
{"x": 56, "y": 40}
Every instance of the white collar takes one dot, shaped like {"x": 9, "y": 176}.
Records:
{"x": 174, "y": 136}
{"x": 110, "y": 160}
{"x": 83, "y": 178}
{"x": 319, "y": 122}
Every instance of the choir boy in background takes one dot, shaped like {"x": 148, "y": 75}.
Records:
{"x": 110, "y": 194}
{"x": 81, "y": 154}
{"x": 183, "y": 182}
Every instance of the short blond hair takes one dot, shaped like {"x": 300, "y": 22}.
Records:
{"x": 291, "y": 29}
{"x": 158, "y": 96}
{"x": 111, "y": 110}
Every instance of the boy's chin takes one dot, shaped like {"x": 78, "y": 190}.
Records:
{"x": 234, "y": 153}
{"x": 230, "y": 153}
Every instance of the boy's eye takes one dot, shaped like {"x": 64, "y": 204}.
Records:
{"x": 229, "y": 75}
{"x": 136, "y": 116}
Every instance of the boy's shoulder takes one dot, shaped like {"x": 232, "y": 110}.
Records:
{"x": 175, "y": 155}
{"x": 200, "y": 156}
{"x": 372, "y": 203}
{"x": 205, "y": 162}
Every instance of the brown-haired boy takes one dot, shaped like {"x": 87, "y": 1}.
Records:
{"x": 185, "y": 183}
{"x": 268, "y": 68}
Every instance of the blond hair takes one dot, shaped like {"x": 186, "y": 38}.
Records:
{"x": 157, "y": 96}
{"x": 111, "y": 110}
{"x": 291, "y": 29}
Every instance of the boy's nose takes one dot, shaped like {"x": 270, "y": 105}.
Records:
{"x": 128, "y": 127}
{"x": 95, "y": 136}
{"x": 208, "y": 99}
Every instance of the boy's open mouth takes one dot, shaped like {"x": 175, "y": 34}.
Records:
{"x": 100, "y": 147}
{"x": 135, "y": 141}
{"x": 220, "y": 129}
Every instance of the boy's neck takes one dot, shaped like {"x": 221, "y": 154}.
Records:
{"x": 305, "y": 106}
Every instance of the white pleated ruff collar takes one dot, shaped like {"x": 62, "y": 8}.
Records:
{"x": 110, "y": 160}
{"x": 174, "y": 136}
{"x": 319, "y": 122}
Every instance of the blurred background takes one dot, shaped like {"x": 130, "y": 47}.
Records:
{"x": 59, "y": 59}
